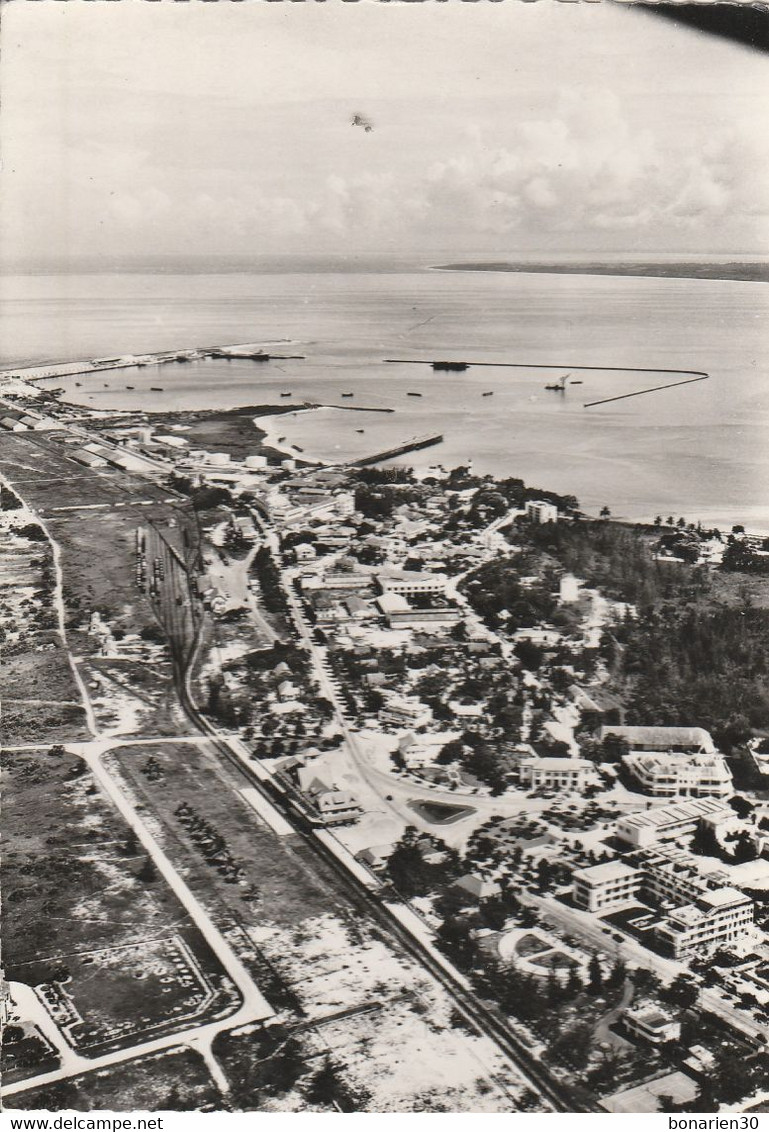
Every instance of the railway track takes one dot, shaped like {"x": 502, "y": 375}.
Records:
{"x": 475, "y": 1012}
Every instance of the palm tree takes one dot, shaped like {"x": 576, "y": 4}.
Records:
{"x": 605, "y": 512}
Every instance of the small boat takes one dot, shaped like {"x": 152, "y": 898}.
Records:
{"x": 576, "y": 381}
{"x": 105, "y": 385}
{"x": 285, "y": 394}
{"x": 347, "y": 394}
{"x": 413, "y": 394}
{"x": 281, "y": 439}
{"x": 156, "y": 388}
{"x": 78, "y": 384}
{"x": 297, "y": 448}
{"x": 489, "y": 394}
{"x": 130, "y": 386}
{"x": 360, "y": 430}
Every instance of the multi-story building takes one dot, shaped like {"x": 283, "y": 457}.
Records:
{"x": 602, "y": 887}
{"x": 562, "y": 774}
{"x": 672, "y": 876}
{"x": 672, "y": 775}
{"x": 665, "y": 823}
{"x": 716, "y": 917}
{"x": 652, "y": 1024}
{"x": 405, "y": 711}
{"x": 539, "y": 511}
{"x": 407, "y": 582}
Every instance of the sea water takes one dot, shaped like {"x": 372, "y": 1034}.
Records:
{"x": 700, "y": 450}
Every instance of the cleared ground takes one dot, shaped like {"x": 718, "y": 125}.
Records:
{"x": 86, "y": 916}
{"x": 177, "y": 1081}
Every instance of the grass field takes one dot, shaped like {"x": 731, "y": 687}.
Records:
{"x": 84, "y": 916}
{"x": 176, "y": 1081}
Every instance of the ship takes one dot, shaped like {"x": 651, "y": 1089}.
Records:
{"x": 347, "y": 394}
{"x": 130, "y": 386}
{"x": 281, "y": 439}
{"x": 285, "y": 394}
{"x": 489, "y": 394}
{"x": 455, "y": 367}
{"x": 156, "y": 388}
{"x": 78, "y": 384}
{"x": 413, "y": 394}
{"x": 297, "y": 448}
{"x": 559, "y": 386}
{"x": 360, "y": 430}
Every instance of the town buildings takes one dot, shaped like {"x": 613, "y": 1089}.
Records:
{"x": 665, "y": 823}
{"x": 561, "y": 774}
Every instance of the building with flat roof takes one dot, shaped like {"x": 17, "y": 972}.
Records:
{"x": 563, "y": 774}
{"x": 719, "y": 916}
{"x": 601, "y": 887}
{"x": 684, "y": 740}
{"x": 539, "y": 511}
{"x": 411, "y": 582}
{"x": 669, "y": 775}
{"x": 664, "y": 823}
{"x": 405, "y": 711}
{"x": 652, "y": 1024}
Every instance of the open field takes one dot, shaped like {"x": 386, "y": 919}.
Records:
{"x": 41, "y": 701}
{"x": 86, "y": 917}
{"x": 176, "y": 1081}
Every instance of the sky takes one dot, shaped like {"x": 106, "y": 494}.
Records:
{"x": 173, "y": 129}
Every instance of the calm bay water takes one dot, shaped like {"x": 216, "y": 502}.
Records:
{"x": 701, "y": 450}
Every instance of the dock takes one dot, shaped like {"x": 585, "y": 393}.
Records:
{"x": 412, "y": 445}
{"x": 131, "y": 361}
{"x": 550, "y": 365}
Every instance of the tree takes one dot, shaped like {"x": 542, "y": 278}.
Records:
{"x": 595, "y": 976}
{"x": 147, "y": 874}
{"x": 682, "y": 992}
{"x": 605, "y": 512}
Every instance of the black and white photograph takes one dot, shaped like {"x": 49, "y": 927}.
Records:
{"x": 384, "y": 562}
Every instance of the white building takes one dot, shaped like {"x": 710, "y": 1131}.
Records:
{"x": 681, "y": 740}
{"x": 411, "y": 582}
{"x": 405, "y": 711}
{"x": 605, "y": 886}
{"x": 720, "y": 916}
{"x": 344, "y": 503}
{"x": 562, "y": 774}
{"x": 419, "y": 751}
{"x": 652, "y": 1024}
{"x": 538, "y": 511}
{"x": 672, "y": 775}
{"x": 665, "y": 823}
{"x": 568, "y": 589}
{"x": 305, "y": 552}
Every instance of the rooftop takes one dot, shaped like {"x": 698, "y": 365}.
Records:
{"x": 609, "y": 870}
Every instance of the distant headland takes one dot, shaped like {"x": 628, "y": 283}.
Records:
{"x": 745, "y": 271}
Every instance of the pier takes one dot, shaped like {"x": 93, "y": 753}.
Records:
{"x": 400, "y": 450}
{"x": 640, "y": 392}
{"x": 549, "y": 365}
